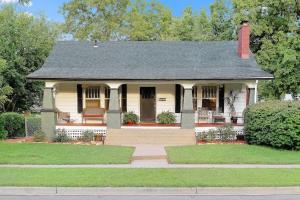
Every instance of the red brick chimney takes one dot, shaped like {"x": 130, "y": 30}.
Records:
{"x": 244, "y": 40}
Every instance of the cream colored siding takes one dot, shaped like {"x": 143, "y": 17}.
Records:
{"x": 166, "y": 92}
{"x": 66, "y": 100}
{"x": 133, "y": 99}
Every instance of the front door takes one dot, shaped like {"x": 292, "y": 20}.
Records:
{"x": 147, "y": 104}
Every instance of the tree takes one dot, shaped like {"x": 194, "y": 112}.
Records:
{"x": 221, "y": 21}
{"x": 24, "y": 1}
{"x": 5, "y": 90}
{"x": 203, "y": 28}
{"x": 184, "y": 26}
{"x": 147, "y": 20}
{"x": 282, "y": 59}
{"x": 94, "y": 19}
{"x": 275, "y": 41}
{"x": 25, "y": 42}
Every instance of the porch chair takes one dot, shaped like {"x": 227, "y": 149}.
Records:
{"x": 203, "y": 115}
{"x": 64, "y": 117}
{"x": 218, "y": 116}
{"x": 93, "y": 113}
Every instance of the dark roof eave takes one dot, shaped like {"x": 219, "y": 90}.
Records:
{"x": 110, "y": 79}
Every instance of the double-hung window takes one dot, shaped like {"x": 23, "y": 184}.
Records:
{"x": 209, "y": 97}
{"x": 92, "y": 97}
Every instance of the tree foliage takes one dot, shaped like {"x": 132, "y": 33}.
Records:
{"x": 275, "y": 41}
{"x": 94, "y": 19}
{"x": 25, "y": 42}
{"x": 147, "y": 20}
{"x": 5, "y": 90}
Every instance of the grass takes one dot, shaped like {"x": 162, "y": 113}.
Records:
{"x": 231, "y": 154}
{"x": 149, "y": 177}
{"x": 33, "y": 153}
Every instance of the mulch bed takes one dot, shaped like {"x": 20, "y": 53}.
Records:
{"x": 222, "y": 142}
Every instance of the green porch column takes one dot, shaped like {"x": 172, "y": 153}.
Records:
{"x": 114, "y": 111}
{"x": 48, "y": 113}
{"x": 187, "y": 113}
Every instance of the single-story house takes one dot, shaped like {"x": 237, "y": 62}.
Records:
{"x": 91, "y": 84}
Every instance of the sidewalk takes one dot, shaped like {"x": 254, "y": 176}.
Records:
{"x": 214, "y": 191}
{"x": 153, "y": 164}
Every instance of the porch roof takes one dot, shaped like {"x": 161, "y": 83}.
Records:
{"x": 75, "y": 60}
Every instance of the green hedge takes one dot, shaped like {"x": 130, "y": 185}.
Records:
{"x": 3, "y": 132}
{"x": 14, "y": 124}
{"x": 274, "y": 123}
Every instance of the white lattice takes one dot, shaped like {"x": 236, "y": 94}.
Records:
{"x": 75, "y": 132}
{"x": 239, "y": 130}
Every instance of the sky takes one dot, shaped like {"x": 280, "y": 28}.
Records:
{"x": 50, "y": 8}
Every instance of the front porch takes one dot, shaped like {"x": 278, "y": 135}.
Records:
{"x": 77, "y": 106}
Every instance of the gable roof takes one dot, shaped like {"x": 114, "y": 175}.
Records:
{"x": 155, "y": 60}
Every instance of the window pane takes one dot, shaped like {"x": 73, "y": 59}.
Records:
{"x": 210, "y": 104}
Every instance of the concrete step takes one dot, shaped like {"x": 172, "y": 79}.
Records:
{"x": 150, "y": 136}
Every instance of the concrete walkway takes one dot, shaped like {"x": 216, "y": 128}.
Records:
{"x": 149, "y": 155}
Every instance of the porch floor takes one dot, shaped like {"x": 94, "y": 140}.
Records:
{"x": 150, "y": 124}
{"x": 215, "y": 124}
{"x": 80, "y": 124}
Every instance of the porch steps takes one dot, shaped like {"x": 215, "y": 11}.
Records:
{"x": 169, "y": 137}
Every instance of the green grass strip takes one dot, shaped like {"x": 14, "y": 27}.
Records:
{"x": 231, "y": 154}
{"x": 46, "y": 154}
{"x": 149, "y": 177}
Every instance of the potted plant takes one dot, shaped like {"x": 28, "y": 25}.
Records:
{"x": 130, "y": 118}
{"x": 166, "y": 118}
{"x": 230, "y": 100}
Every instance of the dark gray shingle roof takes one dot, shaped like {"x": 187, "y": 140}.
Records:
{"x": 148, "y": 61}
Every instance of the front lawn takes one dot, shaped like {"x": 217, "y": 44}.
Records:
{"x": 149, "y": 177}
{"x": 231, "y": 154}
{"x": 46, "y": 154}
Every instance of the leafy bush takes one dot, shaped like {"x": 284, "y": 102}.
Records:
{"x": 39, "y": 136}
{"x": 166, "y": 118}
{"x": 87, "y": 136}
{"x": 13, "y": 124}
{"x": 33, "y": 125}
{"x": 61, "y": 136}
{"x": 226, "y": 133}
{"x": 273, "y": 123}
{"x": 130, "y": 117}
{"x": 3, "y": 133}
{"x": 208, "y": 136}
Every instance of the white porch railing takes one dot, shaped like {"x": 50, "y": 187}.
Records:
{"x": 75, "y": 132}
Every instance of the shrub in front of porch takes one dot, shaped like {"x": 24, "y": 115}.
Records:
{"x": 224, "y": 133}
{"x": 166, "y": 118}
{"x": 274, "y": 123}
{"x": 61, "y": 136}
{"x": 39, "y": 136}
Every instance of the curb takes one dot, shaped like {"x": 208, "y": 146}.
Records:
{"x": 136, "y": 191}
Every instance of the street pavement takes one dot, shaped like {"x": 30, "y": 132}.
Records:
{"x": 156, "y": 197}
